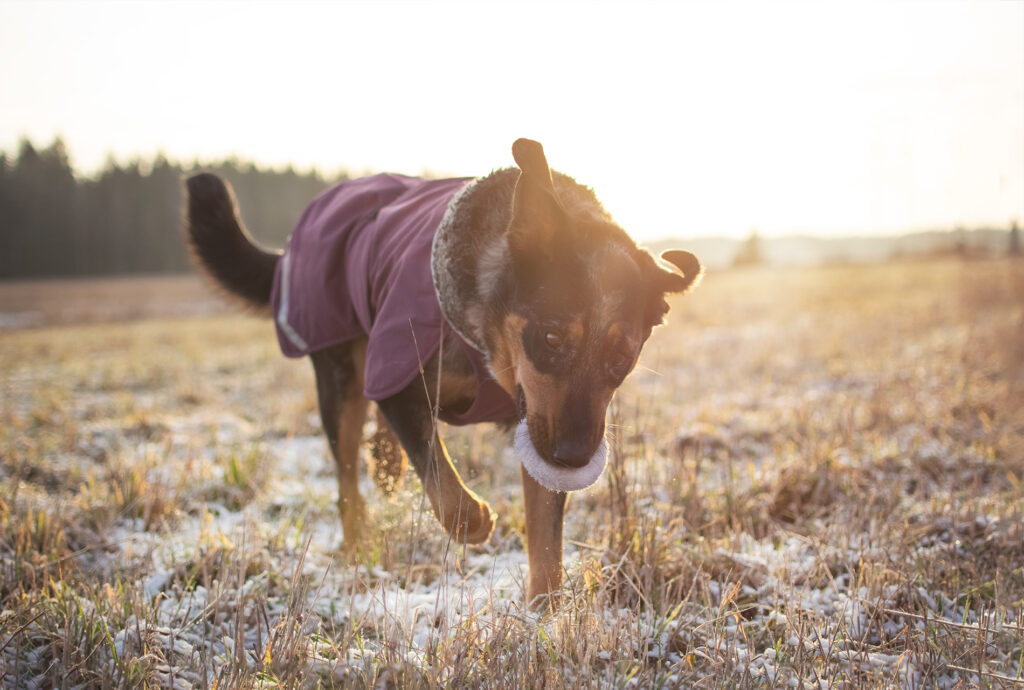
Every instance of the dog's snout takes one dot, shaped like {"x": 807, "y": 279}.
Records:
{"x": 577, "y": 430}
{"x": 571, "y": 453}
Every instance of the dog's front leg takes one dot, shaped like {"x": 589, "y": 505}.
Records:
{"x": 461, "y": 512}
{"x": 545, "y": 512}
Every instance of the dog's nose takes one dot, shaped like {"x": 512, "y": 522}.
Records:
{"x": 571, "y": 453}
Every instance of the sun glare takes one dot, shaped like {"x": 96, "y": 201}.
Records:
{"x": 688, "y": 118}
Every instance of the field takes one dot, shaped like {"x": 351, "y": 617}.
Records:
{"x": 817, "y": 481}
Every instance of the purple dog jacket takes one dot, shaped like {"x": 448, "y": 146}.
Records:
{"x": 356, "y": 266}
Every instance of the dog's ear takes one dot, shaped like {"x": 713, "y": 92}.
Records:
{"x": 537, "y": 216}
{"x": 663, "y": 280}
{"x": 529, "y": 156}
{"x": 690, "y": 271}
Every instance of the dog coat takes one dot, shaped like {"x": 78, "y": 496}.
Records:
{"x": 356, "y": 266}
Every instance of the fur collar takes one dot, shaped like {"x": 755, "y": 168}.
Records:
{"x": 470, "y": 252}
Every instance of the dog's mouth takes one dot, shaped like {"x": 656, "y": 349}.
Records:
{"x": 556, "y": 477}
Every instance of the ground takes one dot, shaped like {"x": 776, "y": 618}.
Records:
{"x": 817, "y": 480}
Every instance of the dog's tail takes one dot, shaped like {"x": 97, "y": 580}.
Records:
{"x": 220, "y": 245}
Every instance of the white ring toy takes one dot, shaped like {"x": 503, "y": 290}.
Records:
{"x": 556, "y": 478}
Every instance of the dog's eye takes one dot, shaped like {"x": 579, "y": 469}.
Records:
{"x": 619, "y": 364}
{"x": 553, "y": 339}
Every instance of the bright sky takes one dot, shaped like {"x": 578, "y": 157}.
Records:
{"x": 687, "y": 118}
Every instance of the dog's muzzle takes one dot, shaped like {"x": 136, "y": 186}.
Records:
{"x": 551, "y": 476}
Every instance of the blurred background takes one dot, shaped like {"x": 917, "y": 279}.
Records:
{"x": 779, "y": 132}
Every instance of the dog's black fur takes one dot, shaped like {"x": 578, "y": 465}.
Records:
{"x": 531, "y": 270}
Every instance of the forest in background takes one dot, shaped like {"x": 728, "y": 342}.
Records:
{"x": 125, "y": 218}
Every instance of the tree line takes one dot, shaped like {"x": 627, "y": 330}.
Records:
{"x": 127, "y": 217}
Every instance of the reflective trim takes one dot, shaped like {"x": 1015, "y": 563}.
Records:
{"x": 282, "y": 313}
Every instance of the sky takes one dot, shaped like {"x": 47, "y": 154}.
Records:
{"x": 687, "y": 118}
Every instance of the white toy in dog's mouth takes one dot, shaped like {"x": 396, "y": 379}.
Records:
{"x": 556, "y": 478}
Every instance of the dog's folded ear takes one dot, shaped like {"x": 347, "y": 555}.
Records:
{"x": 665, "y": 280}
{"x": 690, "y": 271}
{"x": 537, "y": 215}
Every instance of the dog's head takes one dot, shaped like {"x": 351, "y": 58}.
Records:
{"x": 582, "y": 301}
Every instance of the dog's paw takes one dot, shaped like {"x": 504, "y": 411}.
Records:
{"x": 542, "y": 600}
{"x": 472, "y": 525}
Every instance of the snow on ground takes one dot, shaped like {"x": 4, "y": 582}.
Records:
{"x": 794, "y": 499}
{"x": 410, "y": 617}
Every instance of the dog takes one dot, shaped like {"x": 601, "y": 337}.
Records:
{"x": 512, "y": 298}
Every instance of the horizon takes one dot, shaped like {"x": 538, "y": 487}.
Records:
{"x": 691, "y": 120}
{"x": 145, "y": 164}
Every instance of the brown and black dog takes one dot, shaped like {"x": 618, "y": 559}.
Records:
{"x": 534, "y": 276}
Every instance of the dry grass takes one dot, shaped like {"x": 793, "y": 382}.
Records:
{"x": 33, "y": 303}
{"x": 818, "y": 482}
